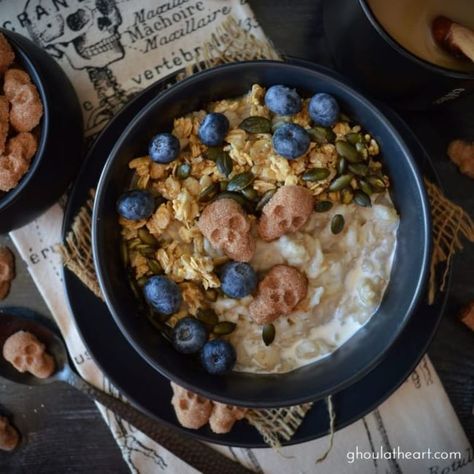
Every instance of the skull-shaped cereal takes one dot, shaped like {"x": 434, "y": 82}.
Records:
{"x": 192, "y": 411}
{"x": 27, "y": 354}
{"x": 86, "y": 32}
{"x": 7, "y": 271}
{"x": 27, "y": 109}
{"x": 4, "y": 122}
{"x": 224, "y": 416}
{"x": 9, "y": 436}
{"x": 278, "y": 293}
{"x": 16, "y": 161}
{"x": 227, "y": 227}
{"x": 7, "y": 56}
{"x": 287, "y": 211}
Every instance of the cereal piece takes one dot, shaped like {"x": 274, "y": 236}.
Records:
{"x": 9, "y": 436}
{"x": 287, "y": 211}
{"x": 7, "y": 271}
{"x": 278, "y": 293}
{"x": 227, "y": 227}
{"x": 461, "y": 153}
{"x": 467, "y": 315}
{"x": 7, "y": 56}
{"x": 27, "y": 354}
{"x": 192, "y": 411}
{"x": 223, "y": 417}
{"x": 27, "y": 109}
{"x": 4, "y": 122}
{"x": 16, "y": 161}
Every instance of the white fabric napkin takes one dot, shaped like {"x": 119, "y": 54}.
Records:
{"x": 143, "y": 40}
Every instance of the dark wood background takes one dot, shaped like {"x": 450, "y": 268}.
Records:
{"x": 63, "y": 431}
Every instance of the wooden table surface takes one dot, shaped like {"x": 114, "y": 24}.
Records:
{"x": 62, "y": 429}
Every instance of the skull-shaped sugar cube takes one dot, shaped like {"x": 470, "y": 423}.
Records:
{"x": 192, "y": 411}
{"x": 224, "y": 416}
{"x": 227, "y": 227}
{"x": 278, "y": 293}
{"x": 27, "y": 354}
{"x": 287, "y": 211}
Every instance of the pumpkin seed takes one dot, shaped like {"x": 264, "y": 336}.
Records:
{"x": 213, "y": 152}
{"x": 347, "y": 151}
{"x": 362, "y": 149}
{"x": 346, "y": 196}
{"x": 154, "y": 266}
{"x": 377, "y": 183}
{"x": 225, "y": 164}
{"x": 124, "y": 252}
{"x": 315, "y": 174}
{"x": 341, "y": 165}
{"x": 224, "y": 327}
{"x": 321, "y": 135}
{"x": 250, "y": 193}
{"x": 207, "y": 316}
{"x": 265, "y": 198}
{"x": 222, "y": 185}
{"x": 268, "y": 334}
{"x": 337, "y": 224}
{"x": 146, "y": 237}
{"x": 132, "y": 244}
{"x": 239, "y": 198}
{"x": 365, "y": 186}
{"x": 359, "y": 169}
{"x": 361, "y": 199}
{"x": 322, "y": 206}
{"x": 209, "y": 192}
{"x": 256, "y": 124}
{"x": 240, "y": 181}
{"x": 211, "y": 295}
{"x": 146, "y": 250}
{"x": 183, "y": 171}
{"x": 340, "y": 183}
{"x": 354, "y": 138}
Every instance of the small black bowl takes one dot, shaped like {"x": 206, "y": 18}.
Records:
{"x": 60, "y": 142}
{"x": 369, "y": 345}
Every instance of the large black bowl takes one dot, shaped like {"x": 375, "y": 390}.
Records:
{"x": 363, "y": 351}
{"x": 59, "y": 152}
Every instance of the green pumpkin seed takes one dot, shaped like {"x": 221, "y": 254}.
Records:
{"x": 340, "y": 183}
{"x": 223, "y": 185}
{"x": 124, "y": 252}
{"x": 207, "y": 316}
{"x": 225, "y": 164}
{"x": 377, "y": 183}
{"x": 268, "y": 334}
{"x": 211, "y": 295}
{"x": 362, "y": 149}
{"x": 183, "y": 171}
{"x": 341, "y": 165}
{"x": 132, "y": 244}
{"x": 146, "y": 250}
{"x": 337, "y": 224}
{"x": 265, "y": 199}
{"x": 346, "y": 196}
{"x": 322, "y": 206}
{"x": 239, "y": 198}
{"x": 354, "y": 138}
{"x": 154, "y": 266}
{"x": 365, "y": 186}
{"x": 146, "y": 237}
{"x": 315, "y": 174}
{"x": 214, "y": 152}
{"x": 361, "y": 199}
{"x": 223, "y": 328}
{"x": 250, "y": 193}
{"x": 209, "y": 192}
{"x": 347, "y": 151}
{"x": 359, "y": 169}
{"x": 240, "y": 181}
{"x": 256, "y": 124}
{"x": 321, "y": 135}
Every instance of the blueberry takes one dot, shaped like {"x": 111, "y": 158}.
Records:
{"x": 135, "y": 205}
{"x": 164, "y": 148}
{"x": 290, "y": 140}
{"x": 218, "y": 356}
{"x": 213, "y": 129}
{"x": 189, "y": 335}
{"x": 282, "y": 100}
{"x": 324, "y": 109}
{"x": 238, "y": 279}
{"x": 163, "y": 294}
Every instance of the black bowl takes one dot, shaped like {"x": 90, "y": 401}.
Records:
{"x": 59, "y": 151}
{"x": 368, "y": 346}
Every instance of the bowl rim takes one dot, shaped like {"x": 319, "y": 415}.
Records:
{"x": 9, "y": 198}
{"x": 107, "y": 291}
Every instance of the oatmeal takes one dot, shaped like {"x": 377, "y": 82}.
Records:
{"x": 260, "y": 233}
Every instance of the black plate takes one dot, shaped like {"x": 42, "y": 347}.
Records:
{"x": 151, "y": 392}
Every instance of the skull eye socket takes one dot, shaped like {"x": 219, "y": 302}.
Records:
{"x": 275, "y": 296}
{"x": 288, "y": 298}
{"x": 17, "y": 361}
{"x": 183, "y": 404}
{"x": 77, "y": 21}
{"x": 30, "y": 349}
{"x": 279, "y": 211}
{"x": 105, "y": 7}
{"x": 235, "y": 222}
{"x": 216, "y": 235}
{"x": 297, "y": 221}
